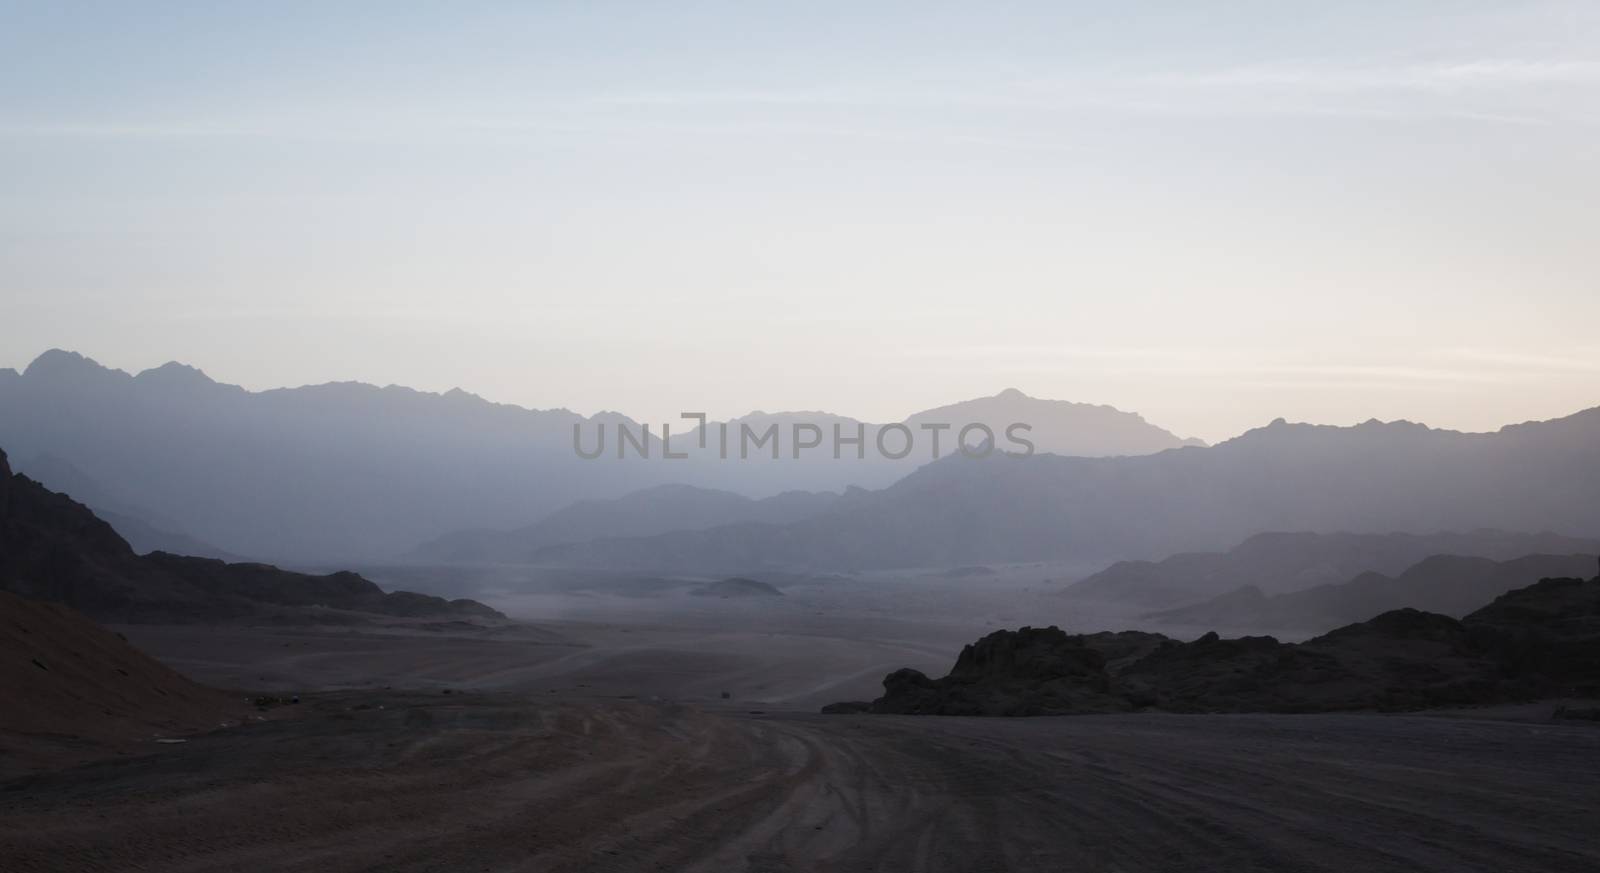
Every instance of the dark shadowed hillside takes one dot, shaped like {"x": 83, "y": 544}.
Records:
{"x": 55, "y": 549}
{"x": 145, "y": 529}
{"x": 75, "y": 690}
{"x": 1537, "y": 642}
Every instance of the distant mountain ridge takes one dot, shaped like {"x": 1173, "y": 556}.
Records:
{"x": 299, "y": 474}
{"x": 1450, "y": 585}
{"x": 649, "y": 512}
{"x": 341, "y": 471}
{"x": 1370, "y": 478}
{"x": 1278, "y": 562}
{"x": 1061, "y": 427}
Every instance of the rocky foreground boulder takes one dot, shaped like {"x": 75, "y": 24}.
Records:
{"x": 1031, "y": 671}
{"x": 1538, "y": 642}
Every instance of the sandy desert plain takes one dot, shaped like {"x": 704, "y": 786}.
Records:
{"x": 624, "y": 723}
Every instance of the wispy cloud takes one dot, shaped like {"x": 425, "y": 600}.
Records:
{"x": 1011, "y": 113}
{"x": 1588, "y": 362}
{"x": 1243, "y": 366}
{"x": 1498, "y": 91}
{"x": 1447, "y": 76}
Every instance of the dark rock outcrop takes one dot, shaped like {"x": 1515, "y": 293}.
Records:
{"x": 1545, "y": 636}
{"x": 1031, "y": 671}
{"x": 264, "y": 583}
{"x": 1538, "y": 642}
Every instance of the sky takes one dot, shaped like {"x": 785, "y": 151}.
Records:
{"x": 1211, "y": 214}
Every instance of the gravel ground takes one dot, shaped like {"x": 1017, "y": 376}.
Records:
{"x": 411, "y": 781}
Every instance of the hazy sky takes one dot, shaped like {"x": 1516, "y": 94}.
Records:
{"x": 1326, "y": 211}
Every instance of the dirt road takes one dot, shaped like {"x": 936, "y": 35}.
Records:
{"x": 512, "y": 782}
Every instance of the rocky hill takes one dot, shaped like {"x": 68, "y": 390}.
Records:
{"x": 75, "y": 690}
{"x": 1537, "y": 642}
{"x": 53, "y": 548}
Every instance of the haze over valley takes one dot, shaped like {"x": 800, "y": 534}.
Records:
{"x": 800, "y": 438}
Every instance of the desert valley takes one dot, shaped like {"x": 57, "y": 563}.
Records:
{"x": 892, "y": 437}
{"x": 686, "y": 678}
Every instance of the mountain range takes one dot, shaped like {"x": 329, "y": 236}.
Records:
{"x": 315, "y": 474}
{"x": 1279, "y": 562}
{"x": 342, "y": 471}
{"x": 1450, "y": 585}
{"x": 1374, "y": 477}
{"x": 651, "y": 511}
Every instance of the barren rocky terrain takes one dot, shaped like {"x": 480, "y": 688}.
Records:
{"x": 624, "y": 723}
{"x": 412, "y": 781}
{"x": 589, "y": 745}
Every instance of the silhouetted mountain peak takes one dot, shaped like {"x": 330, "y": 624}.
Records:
{"x": 59, "y": 364}
{"x": 175, "y": 374}
{"x": 758, "y": 418}
{"x": 1061, "y": 427}
{"x": 607, "y": 416}
{"x": 1398, "y": 425}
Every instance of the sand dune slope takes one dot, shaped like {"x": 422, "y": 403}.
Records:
{"x": 75, "y": 690}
